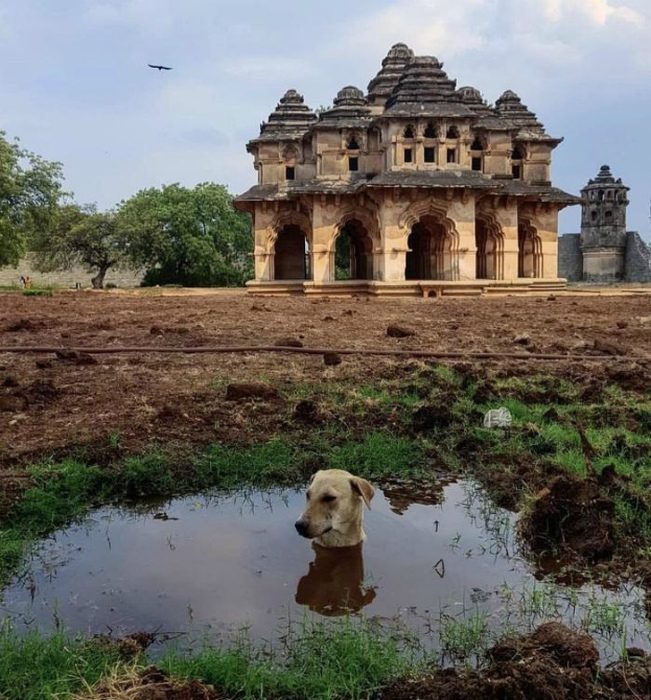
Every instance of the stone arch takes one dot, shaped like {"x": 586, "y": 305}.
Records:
{"x": 289, "y": 246}
{"x": 360, "y": 230}
{"x": 530, "y": 255}
{"x": 489, "y": 240}
{"x": 432, "y": 243}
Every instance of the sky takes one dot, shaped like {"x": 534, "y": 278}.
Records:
{"x": 75, "y": 87}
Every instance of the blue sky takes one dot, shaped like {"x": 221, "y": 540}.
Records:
{"x": 74, "y": 85}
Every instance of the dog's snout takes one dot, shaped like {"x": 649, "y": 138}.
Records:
{"x": 301, "y": 527}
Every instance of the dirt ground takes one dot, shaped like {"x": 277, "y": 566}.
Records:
{"x": 49, "y": 404}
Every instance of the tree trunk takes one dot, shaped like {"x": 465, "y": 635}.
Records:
{"x": 98, "y": 280}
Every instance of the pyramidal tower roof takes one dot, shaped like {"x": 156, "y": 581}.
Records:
{"x": 509, "y": 106}
{"x": 605, "y": 178}
{"x": 291, "y": 118}
{"x": 381, "y": 87}
{"x": 349, "y": 106}
{"x": 425, "y": 88}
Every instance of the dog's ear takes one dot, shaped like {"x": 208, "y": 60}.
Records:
{"x": 364, "y": 489}
{"x": 312, "y": 477}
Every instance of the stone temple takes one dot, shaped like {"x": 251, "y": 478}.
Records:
{"x": 416, "y": 187}
{"x": 604, "y": 252}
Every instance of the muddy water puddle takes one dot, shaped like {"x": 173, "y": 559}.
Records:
{"x": 207, "y": 566}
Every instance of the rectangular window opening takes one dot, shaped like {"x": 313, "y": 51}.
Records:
{"x": 517, "y": 172}
{"x": 408, "y": 155}
{"x": 476, "y": 164}
{"x": 430, "y": 156}
{"x": 290, "y": 172}
{"x": 353, "y": 164}
{"x": 452, "y": 155}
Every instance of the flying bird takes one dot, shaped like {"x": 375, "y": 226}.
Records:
{"x": 159, "y": 67}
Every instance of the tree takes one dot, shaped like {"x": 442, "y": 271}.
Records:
{"x": 192, "y": 237}
{"x": 82, "y": 235}
{"x": 30, "y": 192}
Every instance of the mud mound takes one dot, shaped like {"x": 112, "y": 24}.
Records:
{"x": 151, "y": 684}
{"x": 552, "y": 663}
{"x": 573, "y": 515}
{"x": 632, "y": 679}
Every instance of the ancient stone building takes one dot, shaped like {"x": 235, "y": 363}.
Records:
{"x": 604, "y": 251}
{"x": 415, "y": 187}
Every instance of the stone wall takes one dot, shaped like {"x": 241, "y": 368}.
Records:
{"x": 65, "y": 278}
{"x": 570, "y": 258}
{"x": 637, "y": 262}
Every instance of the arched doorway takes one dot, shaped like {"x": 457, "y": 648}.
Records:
{"x": 490, "y": 251}
{"x": 353, "y": 255}
{"x": 291, "y": 255}
{"x": 530, "y": 258}
{"x": 431, "y": 252}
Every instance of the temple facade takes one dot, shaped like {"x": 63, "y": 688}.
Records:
{"x": 416, "y": 187}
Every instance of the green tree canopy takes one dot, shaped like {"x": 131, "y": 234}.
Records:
{"x": 82, "y": 235}
{"x": 192, "y": 237}
{"x": 30, "y": 192}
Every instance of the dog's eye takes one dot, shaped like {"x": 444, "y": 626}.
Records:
{"x": 328, "y": 499}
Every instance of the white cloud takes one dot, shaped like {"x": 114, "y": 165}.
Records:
{"x": 597, "y": 11}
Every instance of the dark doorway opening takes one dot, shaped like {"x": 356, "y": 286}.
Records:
{"x": 353, "y": 253}
{"x": 292, "y": 260}
{"x": 430, "y": 252}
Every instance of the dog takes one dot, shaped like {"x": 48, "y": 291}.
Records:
{"x": 335, "y": 509}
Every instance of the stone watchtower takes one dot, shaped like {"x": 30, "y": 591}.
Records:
{"x": 603, "y": 228}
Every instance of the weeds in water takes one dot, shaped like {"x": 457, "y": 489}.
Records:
{"x": 464, "y": 638}
{"x": 538, "y": 603}
{"x": 604, "y": 617}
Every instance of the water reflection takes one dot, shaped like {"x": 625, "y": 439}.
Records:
{"x": 334, "y": 583}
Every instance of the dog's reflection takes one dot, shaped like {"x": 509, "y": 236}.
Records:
{"x": 334, "y": 583}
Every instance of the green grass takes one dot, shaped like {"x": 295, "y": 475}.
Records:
{"x": 316, "y": 661}
{"x": 42, "y": 668}
{"x": 321, "y": 661}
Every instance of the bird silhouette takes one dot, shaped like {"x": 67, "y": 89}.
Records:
{"x": 159, "y": 67}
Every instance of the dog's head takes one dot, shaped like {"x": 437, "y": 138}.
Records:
{"x": 335, "y": 504}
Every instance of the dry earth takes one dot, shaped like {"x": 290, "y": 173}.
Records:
{"x": 49, "y": 404}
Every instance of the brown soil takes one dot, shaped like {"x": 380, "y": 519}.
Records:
{"x": 574, "y": 513}
{"x": 552, "y": 663}
{"x": 61, "y": 402}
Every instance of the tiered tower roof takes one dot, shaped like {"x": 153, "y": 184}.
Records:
{"x": 350, "y": 109}
{"x": 290, "y": 120}
{"x": 605, "y": 178}
{"x": 422, "y": 87}
{"x": 393, "y": 65}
